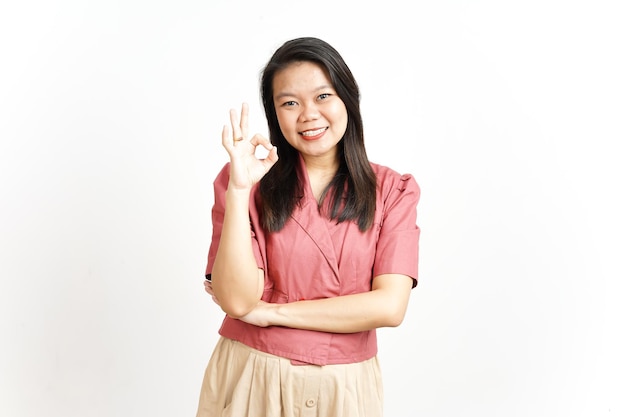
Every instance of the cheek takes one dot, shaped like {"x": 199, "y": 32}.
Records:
{"x": 341, "y": 116}
{"x": 284, "y": 121}
{"x": 287, "y": 127}
{"x": 284, "y": 125}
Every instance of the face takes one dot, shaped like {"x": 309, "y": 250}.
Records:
{"x": 311, "y": 115}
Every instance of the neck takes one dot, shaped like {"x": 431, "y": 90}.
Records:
{"x": 320, "y": 172}
{"x": 321, "y": 166}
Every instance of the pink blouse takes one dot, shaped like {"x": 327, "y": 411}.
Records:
{"x": 313, "y": 257}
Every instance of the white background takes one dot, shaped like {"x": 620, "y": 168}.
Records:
{"x": 511, "y": 116}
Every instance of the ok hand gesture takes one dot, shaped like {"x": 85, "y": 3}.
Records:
{"x": 245, "y": 168}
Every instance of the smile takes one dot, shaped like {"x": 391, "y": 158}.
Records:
{"x": 312, "y": 134}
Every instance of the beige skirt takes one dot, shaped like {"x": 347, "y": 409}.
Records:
{"x": 244, "y": 382}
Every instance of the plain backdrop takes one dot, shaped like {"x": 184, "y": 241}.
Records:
{"x": 510, "y": 115}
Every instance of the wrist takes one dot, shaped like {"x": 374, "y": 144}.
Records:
{"x": 238, "y": 194}
{"x": 238, "y": 191}
{"x": 277, "y": 316}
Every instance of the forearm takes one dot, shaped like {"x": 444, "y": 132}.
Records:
{"x": 237, "y": 282}
{"x": 384, "y": 306}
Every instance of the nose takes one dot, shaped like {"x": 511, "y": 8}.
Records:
{"x": 309, "y": 112}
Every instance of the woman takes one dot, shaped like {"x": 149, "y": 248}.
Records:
{"x": 314, "y": 247}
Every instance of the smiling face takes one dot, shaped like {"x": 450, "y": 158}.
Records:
{"x": 311, "y": 115}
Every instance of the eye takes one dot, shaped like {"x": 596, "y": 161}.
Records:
{"x": 323, "y": 96}
{"x": 290, "y": 103}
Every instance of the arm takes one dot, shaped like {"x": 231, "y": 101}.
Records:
{"x": 384, "y": 306}
{"x": 237, "y": 282}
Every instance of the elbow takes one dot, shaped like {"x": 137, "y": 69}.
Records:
{"x": 393, "y": 317}
{"x": 392, "y": 298}
{"x": 394, "y": 320}
{"x": 237, "y": 310}
{"x": 235, "y": 305}
{"x": 237, "y": 299}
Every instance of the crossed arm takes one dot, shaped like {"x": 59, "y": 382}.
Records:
{"x": 238, "y": 283}
{"x": 384, "y": 306}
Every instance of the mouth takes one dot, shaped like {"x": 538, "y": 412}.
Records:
{"x": 313, "y": 133}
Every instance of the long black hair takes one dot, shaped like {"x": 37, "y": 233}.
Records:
{"x": 353, "y": 188}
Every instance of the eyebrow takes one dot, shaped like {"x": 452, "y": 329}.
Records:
{"x": 288, "y": 94}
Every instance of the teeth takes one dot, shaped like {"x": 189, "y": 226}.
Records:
{"x": 313, "y": 132}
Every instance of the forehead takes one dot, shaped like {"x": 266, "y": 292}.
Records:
{"x": 300, "y": 77}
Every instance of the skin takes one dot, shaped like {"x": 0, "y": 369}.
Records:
{"x": 305, "y": 101}
{"x": 237, "y": 281}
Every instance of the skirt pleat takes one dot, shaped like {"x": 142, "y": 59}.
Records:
{"x": 240, "y": 381}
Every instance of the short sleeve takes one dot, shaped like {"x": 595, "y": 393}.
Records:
{"x": 397, "y": 249}
{"x": 217, "y": 217}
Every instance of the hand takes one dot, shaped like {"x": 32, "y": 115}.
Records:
{"x": 245, "y": 168}
{"x": 208, "y": 287}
